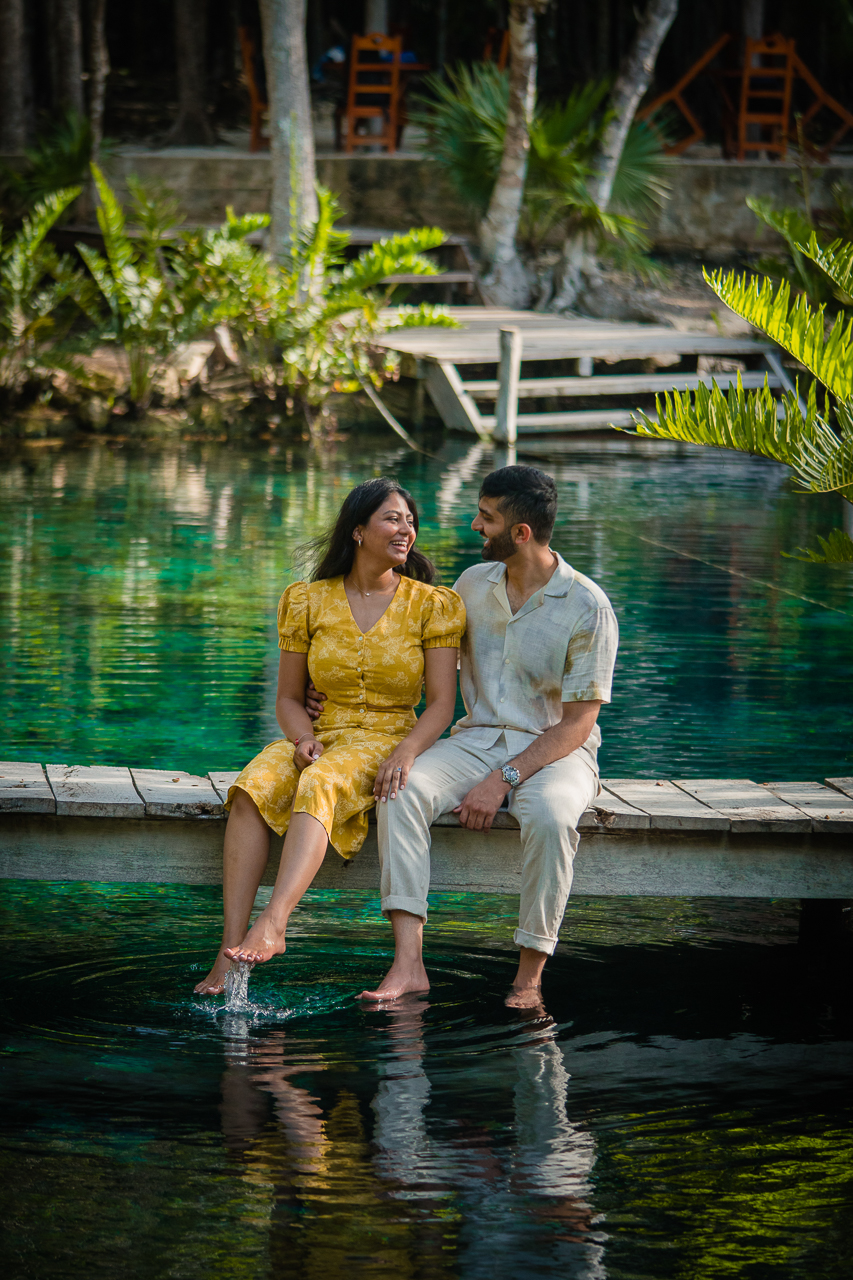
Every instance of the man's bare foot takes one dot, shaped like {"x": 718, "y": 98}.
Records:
{"x": 524, "y": 998}
{"x": 214, "y": 983}
{"x": 264, "y": 940}
{"x": 398, "y": 981}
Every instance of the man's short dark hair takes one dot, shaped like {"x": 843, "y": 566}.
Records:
{"x": 527, "y": 496}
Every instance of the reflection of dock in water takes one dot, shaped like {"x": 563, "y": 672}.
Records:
{"x": 683, "y": 838}
{"x": 439, "y": 358}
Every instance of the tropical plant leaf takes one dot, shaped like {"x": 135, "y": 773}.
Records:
{"x": 112, "y": 223}
{"x": 796, "y": 326}
{"x": 424, "y": 316}
{"x": 837, "y": 548}
{"x": 835, "y": 259}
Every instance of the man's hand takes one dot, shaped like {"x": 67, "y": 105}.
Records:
{"x": 314, "y": 700}
{"x": 478, "y": 809}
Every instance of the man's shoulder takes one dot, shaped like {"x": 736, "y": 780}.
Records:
{"x": 585, "y": 595}
{"x": 476, "y": 576}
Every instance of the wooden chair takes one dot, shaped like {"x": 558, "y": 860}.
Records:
{"x": 374, "y": 90}
{"x": 675, "y": 97}
{"x": 496, "y": 48}
{"x": 257, "y": 104}
{"x": 765, "y": 96}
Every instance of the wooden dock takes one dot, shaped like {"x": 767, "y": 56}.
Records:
{"x": 506, "y": 339}
{"x": 646, "y": 837}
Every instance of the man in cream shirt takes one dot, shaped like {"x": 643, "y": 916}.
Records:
{"x": 536, "y": 665}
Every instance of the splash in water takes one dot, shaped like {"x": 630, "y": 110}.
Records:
{"x": 237, "y": 988}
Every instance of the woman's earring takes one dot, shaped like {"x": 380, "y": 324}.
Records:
{"x": 358, "y": 540}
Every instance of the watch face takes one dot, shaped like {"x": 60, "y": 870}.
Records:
{"x": 510, "y": 774}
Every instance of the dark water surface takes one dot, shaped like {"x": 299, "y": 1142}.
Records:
{"x": 138, "y": 592}
{"x": 682, "y": 1108}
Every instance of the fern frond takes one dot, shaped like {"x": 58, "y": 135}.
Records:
{"x": 112, "y": 223}
{"x": 798, "y": 328}
{"x": 835, "y": 260}
{"x": 836, "y": 549}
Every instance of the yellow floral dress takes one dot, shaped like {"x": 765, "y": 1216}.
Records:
{"x": 372, "y": 681}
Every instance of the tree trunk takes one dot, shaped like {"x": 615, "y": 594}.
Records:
{"x": 294, "y": 196}
{"x": 506, "y": 280}
{"x": 67, "y": 56}
{"x": 192, "y": 127}
{"x": 13, "y": 64}
{"x": 99, "y": 61}
{"x": 579, "y": 265}
{"x": 632, "y": 82}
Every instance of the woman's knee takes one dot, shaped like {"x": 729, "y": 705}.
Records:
{"x": 243, "y": 807}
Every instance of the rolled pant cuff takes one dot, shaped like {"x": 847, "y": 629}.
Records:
{"x": 533, "y": 940}
{"x": 414, "y": 906}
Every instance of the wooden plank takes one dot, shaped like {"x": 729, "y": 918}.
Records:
{"x": 627, "y": 863}
{"x": 441, "y": 277}
{"x": 610, "y": 812}
{"x": 223, "y": 779}
{"x": 557, "y": 346}
{"x": 458, "y": 411}
{"x": 567, "y": 420}
{"x": 828, "y": 809}
{"x": 844, "y": 785}
{"x": 171, "y": 793}
{"x": 618, "y": 385}
{"x": 669, "y": 808}
{"x": 750, "y": 807}
{"x": 94, "y": 791}
{"x": 24, "y": 788}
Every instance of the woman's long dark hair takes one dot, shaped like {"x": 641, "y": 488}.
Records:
{"x": 334, "y": 551}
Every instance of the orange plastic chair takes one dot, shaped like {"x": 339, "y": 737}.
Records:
{"x": 374, "y": 90}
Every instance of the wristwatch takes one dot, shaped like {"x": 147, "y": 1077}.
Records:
{"x": 510, "y": 775}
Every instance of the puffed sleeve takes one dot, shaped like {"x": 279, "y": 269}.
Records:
{"x": 293, "y": 619}
{"x": 443, "y": 619}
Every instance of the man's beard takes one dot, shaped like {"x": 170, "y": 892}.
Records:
{"x": 500, "y": 547}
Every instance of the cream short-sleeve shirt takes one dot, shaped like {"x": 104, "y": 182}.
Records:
{"x": 517, "y": 669}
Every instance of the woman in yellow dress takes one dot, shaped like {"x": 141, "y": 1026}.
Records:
{"x": 370, "y": 630}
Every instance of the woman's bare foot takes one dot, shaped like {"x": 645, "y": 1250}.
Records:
{"x": 214, "y": 983}
{"x": 400, "y": 980}
{"x": 264, "y": 940}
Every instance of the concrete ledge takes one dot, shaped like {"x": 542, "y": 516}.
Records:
{"x": 642, "y": 862}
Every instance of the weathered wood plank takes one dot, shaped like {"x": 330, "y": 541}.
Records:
{"x": 94, "y": 791}
{"x": 610, "y": 812}
{"x": 828, "y": 809}
{"x": 631, "y": 863}
{"x": 458, "y": 411}
{"x": 170, "y": 793}
{"x": 844, "y": 785}
{"x": 24, "y": 788}
{"x": 669, "y": 808}
{"x": 749, "y": 806}
{"x": 564, "y": 420}
{"x": 617, "y": 384}
{"x": 222, "y": 780}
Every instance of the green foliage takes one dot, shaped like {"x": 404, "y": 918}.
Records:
{"x": 466, "y": 123}
{"x": 38, "y": 288}
{"x": 804, "y": 269}
{"x": 306, "y": 327}
{"x": 59, "y": 160}
{"x": 147, "y": 314}
{"x": 817, "y": 445}
{"x": 836, "y": 549}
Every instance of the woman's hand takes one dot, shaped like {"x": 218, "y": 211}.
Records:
{"x": 308, "y": 750}
{"x": 392, "y": 774}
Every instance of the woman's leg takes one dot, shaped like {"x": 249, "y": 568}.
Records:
{"x": 301, "y": 858}
{"x": 245, "y": 857}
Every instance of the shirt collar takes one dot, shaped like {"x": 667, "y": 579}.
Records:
{"x": 559, "y": 584}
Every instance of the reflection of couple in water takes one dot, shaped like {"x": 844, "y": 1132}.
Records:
{"x": 538, "y": 643}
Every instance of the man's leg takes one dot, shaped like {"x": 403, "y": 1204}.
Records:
{"x": 548, "y": 807}
{"x": 438, "y": 781}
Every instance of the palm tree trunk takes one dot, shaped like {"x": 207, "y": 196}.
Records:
{"x": 294, "y": 196}
{"x": 67, "y": 56}
{"x": 506, "y": 280}
{"x": 192, "y": 127}
{"x": 579, "y": 265}
{"x": 13, "y": 65}
{"x": 631, "y": 84}
{"x": 99, "y": 60}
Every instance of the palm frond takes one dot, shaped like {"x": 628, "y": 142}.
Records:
{"x": 640, "y": 186}
{"x": 797, "y": 327}
{"x": 837, "y": 548}
{"x": 112, "y": 223}
{"x": 835, "y": 260}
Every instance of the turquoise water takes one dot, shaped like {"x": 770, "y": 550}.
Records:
{"x": 138, "y": 591}
{"x": 679, "y": 1108}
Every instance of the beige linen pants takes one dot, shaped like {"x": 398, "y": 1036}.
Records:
{"x": 548, "y": 807}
